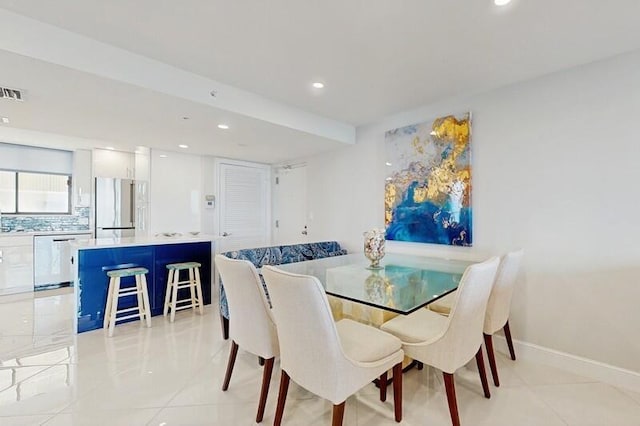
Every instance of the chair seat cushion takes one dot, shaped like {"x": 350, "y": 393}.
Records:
{"x": 364, "y": 343}
{"x": 420, "y": 326}
{"x": 443, "y": 305}
{"x": 127, "y": 272}
{"x": 183, "y": 265}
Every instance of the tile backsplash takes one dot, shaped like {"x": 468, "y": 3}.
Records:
{"x": 78, "y": 221}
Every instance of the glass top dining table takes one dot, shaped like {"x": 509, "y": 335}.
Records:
{"x": 403, "y": 284}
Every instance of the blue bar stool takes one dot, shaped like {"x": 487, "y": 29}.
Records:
{"x": 195, "y": 300}
{"x": 142, "y": 309}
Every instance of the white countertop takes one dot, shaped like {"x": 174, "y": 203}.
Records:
{"x": 98, "y": 243}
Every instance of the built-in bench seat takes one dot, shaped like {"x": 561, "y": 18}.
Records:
{"x": 276, "y": 255}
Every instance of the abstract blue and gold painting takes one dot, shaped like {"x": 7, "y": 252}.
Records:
{"x": 428, "y": 182}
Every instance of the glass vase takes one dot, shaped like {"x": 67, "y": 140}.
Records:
{"x": 374, "y": 247}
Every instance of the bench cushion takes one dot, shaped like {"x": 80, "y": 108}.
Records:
{"x": 279, "y": 255}
{"x": 258, "y": 256}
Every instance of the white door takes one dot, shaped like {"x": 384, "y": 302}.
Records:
{"x": 244, "y": 205}
{"x": 290, "y": 205}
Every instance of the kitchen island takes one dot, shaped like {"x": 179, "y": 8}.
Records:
{"x": 93, "y": 258}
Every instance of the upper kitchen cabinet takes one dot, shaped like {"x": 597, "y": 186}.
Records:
{"x": 142, "y": 181}
{"x": 143, "y": 164}
{"x": 175, "y": 203}
{"x": 82, "y": 178}
{"x": 113, "y": 164}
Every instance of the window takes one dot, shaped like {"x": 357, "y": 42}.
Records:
{"x": 34, "y": 193}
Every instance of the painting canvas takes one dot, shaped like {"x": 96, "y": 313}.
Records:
{"x": 428, "y": 182}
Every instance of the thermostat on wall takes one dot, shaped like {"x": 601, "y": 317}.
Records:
{"x": 209, "y": 201}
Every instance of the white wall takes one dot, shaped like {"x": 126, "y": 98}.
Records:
{"x": 175, "y": 203}
{"x": 555, "y": 171}
{"x": 209, "y": 186}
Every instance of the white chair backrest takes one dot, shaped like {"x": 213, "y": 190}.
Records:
{"x": 499, "y": 303}
{"x": 309, "y": 343}
{"x": 252, "y": 325}
{"x": 464, "y": 334}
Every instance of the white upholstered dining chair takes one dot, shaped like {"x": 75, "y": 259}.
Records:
{"x": 331, "y": 360}
{"x": 448, "y": 343}
{"x": 253, "y": 327}
{"x": 498, "y": 307}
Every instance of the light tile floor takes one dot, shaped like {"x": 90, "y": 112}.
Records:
{"x": 171, "y": 374}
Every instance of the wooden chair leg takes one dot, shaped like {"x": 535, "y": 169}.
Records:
{"x": 232, "y": 360}
{"x": 114, "y": 306}
{"x": 145, "y": 298}
{"x": 224, "y": 322}
{"x": 141, "y": 311}
{"x": 483, "y": 373}
{"x": 397, "y": 391}
{"x": 174, "y": 295}
{"x": 382, "y": 384}
{"x": 167, "y": 293}
{"x": 192, "y": 289}
{"x": 107, "y": 309}
{"x": 488, "y": 343}
{"x": 507, "y": 334}
{"x": 199, "y": 292}
{"x": 282, "y": 397}
{"x": 451, "y": 398}
{"x": 266, "y": 380}
{"x": 338, "y": 414}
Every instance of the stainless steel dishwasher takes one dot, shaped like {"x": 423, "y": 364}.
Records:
{"x": 52, "y": 259}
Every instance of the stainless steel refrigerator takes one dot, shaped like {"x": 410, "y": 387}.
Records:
{"x": 115, "y": 208}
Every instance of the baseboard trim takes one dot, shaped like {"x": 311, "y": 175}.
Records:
{"x": 597, "y": 370}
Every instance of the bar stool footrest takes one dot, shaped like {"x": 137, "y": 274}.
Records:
{"x": 128, "y": 292}
{"x": 180, "y": 308}
{"x": 125, "y": 317}
{"x": 121, "y": 311}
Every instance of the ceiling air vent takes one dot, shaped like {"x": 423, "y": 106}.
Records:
{"x": 14, "y": 94}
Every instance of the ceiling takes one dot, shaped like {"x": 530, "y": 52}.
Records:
{"x": 376, "y": 57}
{"x": 99, "y": 112}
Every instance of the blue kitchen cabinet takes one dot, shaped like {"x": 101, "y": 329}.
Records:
{"x": 93, "y": 283}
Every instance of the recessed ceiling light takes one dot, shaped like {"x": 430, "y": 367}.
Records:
{"x": 5, "y": 120}
{"x": 185, "y": 117}
{"x": 183, "y": 146}
{"x": 110, "y": 148}
{"x": 223, "y": 126}
{"x": 501, "y": 2}
{"x": 318, "y": 85}
{"x": 163, "y": 155}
